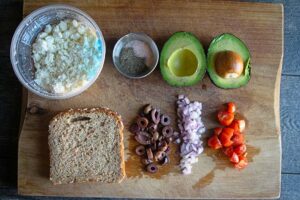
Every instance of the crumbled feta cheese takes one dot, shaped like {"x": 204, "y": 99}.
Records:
{"x": 74, "y": 23}
{"x": 48, "y": 28}
{"x": 63, "y": 25}
{"x": 65, "y": 56}
{"x": 43, "y": 35}
{"x": 81, "y": 29}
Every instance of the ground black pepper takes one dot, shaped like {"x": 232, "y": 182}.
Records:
{"x": 131, "y": 63}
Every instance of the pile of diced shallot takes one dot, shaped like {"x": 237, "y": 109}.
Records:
{"x": 191, "y": 128}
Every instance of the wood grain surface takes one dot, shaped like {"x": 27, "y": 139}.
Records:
{"x": 213, "y": 176}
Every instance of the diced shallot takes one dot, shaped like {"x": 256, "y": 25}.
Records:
{"x": 191, "y": 128}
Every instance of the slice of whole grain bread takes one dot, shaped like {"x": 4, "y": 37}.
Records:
{"x": 86, "y": 145}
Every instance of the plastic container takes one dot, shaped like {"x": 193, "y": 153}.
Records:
{"x": 25, "y": 35}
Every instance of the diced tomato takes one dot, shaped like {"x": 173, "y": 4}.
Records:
{"x": 225, "y": 118}
{"x": 240, "y": 150}
{"x": 242, "y": 125}
{"x": 234, "y": 158}
{"x": 231, "y": 107}
{"x": 237, "y": 138}
{"x": 243, "y": 156}
{"x": 241, "y": 164}
{"x": 218, "y": 131}
{"x": 235, "y": 125}
{"x": 214, "y": 142}
{"x": 228, "y": 151}
{"x": 226, "y": 142}
{"x": 230, "y": 138}
{"x": 238, "y": 125}
{"x": 226, "y": 136}
{"x": 236, "y": 133}
{"x": 228, "y": 131}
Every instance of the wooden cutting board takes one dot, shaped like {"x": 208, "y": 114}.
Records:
{"x": 259, "y": 25}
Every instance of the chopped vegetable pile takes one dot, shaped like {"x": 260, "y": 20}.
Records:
{"x": 153, "y": 132}
{"x": 230, "y": 138}
{"x": 191, "y": 128}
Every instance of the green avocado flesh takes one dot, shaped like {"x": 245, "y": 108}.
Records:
{"x": 228, "y": 42}
{"x": 182, "y": 60}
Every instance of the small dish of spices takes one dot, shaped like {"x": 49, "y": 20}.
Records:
{"x": 135, "y": 55}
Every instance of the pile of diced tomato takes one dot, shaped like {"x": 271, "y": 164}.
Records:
{"x": 230, "y": 137}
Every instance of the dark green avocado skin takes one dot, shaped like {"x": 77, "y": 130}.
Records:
{"x": 229, "y": 42}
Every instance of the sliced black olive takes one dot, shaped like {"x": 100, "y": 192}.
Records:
{"x": 142, "y": 139}
{"x": 147, "y": 109}
{"x": 165, "y": 160}
{"x": 167, "y": 131}
{"x": 159, "y": 155}
{"x": 168, "y": 150}
{"x": 169, "y": 139}
{"x": 155, "y": 116}
{"x": 149, "y": 153}
{"x": 146, "y": 161}
{"x": 155, "y": 136}
{"x": 144, "y": 133}
{"x": 159, "y": 143}
{"x": 152, "y": 168}
{"x": 140, "y": 150}
{"x": 165, "y": 120}
{"x": 152, "y": 127}
{"x": 134, "y": 128}
{"x": 163, "y": 146}
{"x": 153, "y": 146}
{"x": 160, "y": 138}
{"x": 142, "y": 122}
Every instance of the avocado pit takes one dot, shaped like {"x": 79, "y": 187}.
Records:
{"x": 229, "y": 61}
{"x": 229, "y": 64}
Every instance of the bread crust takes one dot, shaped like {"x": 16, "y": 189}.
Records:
{"x": 108, "y": 112}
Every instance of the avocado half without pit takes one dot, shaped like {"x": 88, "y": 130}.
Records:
{"x": 228, "y": 62}
{"x": 182, "y": 60}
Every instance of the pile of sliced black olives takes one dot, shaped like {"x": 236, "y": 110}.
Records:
{"x": 153, "y": 132}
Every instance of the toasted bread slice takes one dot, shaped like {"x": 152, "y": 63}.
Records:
{"x": 86, "y": 145}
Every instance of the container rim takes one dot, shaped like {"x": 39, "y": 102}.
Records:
{"x": 17, "y": 35}
{"x": 155, "y": 51}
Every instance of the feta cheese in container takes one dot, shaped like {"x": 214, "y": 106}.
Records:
{"x": 66, "y": 56}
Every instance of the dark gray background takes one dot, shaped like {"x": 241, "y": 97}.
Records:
{"x": 10, "y": 102}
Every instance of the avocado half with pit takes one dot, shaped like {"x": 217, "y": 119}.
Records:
{"x": 228, "y": 62}
{"x": 182, "y": 60}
